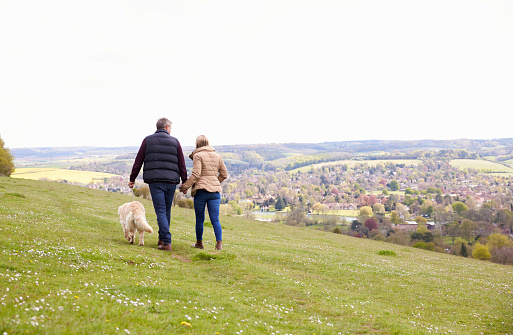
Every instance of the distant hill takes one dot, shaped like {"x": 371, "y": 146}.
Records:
{"x": 294, "y": 155}
{"x": 66, "y": 152}
{"x": 379, "y": 145}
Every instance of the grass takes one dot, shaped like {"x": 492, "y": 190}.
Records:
{"x": 65, "y": 268}
{"x": 55, "y": 174}
{"x": 481, "y": 165}
{"x": 343, "y": 212}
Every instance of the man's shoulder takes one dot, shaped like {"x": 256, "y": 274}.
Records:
{"x": 175, "y": 141}
{"x": 162, "y": 139}
{"x": 163, "y": 135}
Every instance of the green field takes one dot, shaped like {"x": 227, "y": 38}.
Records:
{"x": 65, "y": 268}
{"x": 344, "y": 212}
{"x": 509, "y": 162}
{"x": 352, "y": 163}
{"x": 481, "y": 165}
{"x": 55, "y": 174}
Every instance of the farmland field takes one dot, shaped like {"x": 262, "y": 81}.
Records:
{"x": 509, "y": 162}
{"x": 54, "y": 174}
{"x": 481, "y": 165}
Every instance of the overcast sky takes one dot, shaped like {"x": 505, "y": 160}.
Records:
{"x": 100, "y": 73}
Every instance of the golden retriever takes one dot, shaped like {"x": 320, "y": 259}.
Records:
{"x": 132, "y": 218}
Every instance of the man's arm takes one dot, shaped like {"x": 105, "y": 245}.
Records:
{"x": 139, "y": 160}
{"x": 181, "y": 164}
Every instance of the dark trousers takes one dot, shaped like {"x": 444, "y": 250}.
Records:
{"x": 162, "y": 195}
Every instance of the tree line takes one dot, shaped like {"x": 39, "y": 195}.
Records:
{"x": 6, "y": 160}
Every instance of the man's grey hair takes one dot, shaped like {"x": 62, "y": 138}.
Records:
{"x": 163, "y": 123}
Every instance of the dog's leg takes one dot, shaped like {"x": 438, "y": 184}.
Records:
{"x": 141, "y": 238}
{"x": 125, "y": 231}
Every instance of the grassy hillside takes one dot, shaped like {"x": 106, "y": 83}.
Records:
{"x": 65, "y": 268}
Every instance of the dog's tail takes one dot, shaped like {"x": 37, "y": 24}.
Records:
{"x": 141, "y": 219}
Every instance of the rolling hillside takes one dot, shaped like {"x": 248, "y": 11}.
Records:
{"x": 65, "y": 268}
{"x": 275, "y": 156}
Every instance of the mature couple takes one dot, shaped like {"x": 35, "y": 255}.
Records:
{"x": 164, "y": 166}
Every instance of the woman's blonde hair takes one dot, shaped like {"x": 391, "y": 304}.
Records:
{"x": 201, "y": 141}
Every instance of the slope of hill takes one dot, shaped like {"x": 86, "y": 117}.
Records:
{"x": 65, "y": 267}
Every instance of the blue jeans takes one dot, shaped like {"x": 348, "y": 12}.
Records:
{"x": 162, "y": 195}
{"x": 212, "y": 200}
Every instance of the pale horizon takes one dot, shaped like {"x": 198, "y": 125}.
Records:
{"x": 95, "y": 73}
{"x": 273, "y": 143}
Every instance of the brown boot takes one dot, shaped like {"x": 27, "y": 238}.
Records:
{"x": 219, "y": 245}
{"x": 165, "y": 247}
{"x": 198, "y": 244}
{"x": 160, "y": 242}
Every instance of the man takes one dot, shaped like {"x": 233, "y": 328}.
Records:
{"x": 164, "y": 165}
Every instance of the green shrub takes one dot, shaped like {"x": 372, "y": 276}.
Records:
{"x": 387, "y": 253}
{"x": 205, "y": 256}
{"x": 430, "y": 246}
{"x": 420, "y": 245}
{"x": 379, "y": 237}
{"x": 481, "y": 252}
{"x": 17, "y": 195}
{"x": 185, "y": 203}
{"x": 463, "y": 250}
{"x": 143, "y": 192}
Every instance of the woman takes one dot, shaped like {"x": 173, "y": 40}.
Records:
{"x": 208, "y": 171}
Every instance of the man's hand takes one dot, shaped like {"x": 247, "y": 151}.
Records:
{"x": 131, "y": 184}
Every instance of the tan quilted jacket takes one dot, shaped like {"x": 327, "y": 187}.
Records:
{"x": 208, "y": 171}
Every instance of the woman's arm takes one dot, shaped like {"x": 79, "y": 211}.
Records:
{"x": 195, "y": 175}
{"x": 223, "y": 172}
